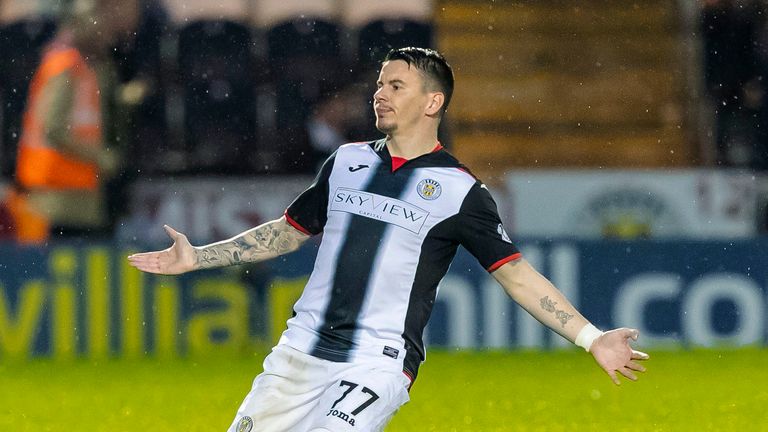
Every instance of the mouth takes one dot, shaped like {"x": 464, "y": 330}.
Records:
{"x": 381, "y": 110}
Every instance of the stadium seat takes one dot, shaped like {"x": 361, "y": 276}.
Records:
{"x": 185, "y": 12}
{"x": 218, "y": 82}
{"x": 270, "y": 13}
{"x": 141, "y": 67}
{"x": 356, "y": 13}
{"x": 305, "y": 60}
{"x": 21, "y": 43}
{"x": 376, "y": 38}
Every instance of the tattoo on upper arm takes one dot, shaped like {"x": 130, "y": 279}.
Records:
{"x": 548, "y": 305}
{"x": 266, "y": 241}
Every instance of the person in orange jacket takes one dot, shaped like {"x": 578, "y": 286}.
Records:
{"x": 63, "y": 159}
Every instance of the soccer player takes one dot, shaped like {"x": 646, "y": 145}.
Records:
{"x": 392, "y": 213}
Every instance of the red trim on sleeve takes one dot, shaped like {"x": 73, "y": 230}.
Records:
{"x": 503, "y": 261}
{"x": 295, "y": 224}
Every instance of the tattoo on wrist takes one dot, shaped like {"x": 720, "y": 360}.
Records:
{"x": 548, "y": 305}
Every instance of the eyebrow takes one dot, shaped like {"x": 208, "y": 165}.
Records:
{"x": 392, "y": 81}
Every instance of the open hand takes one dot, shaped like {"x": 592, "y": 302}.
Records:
{"x": 179, "y": 258}
{"x": 614, "y": 354}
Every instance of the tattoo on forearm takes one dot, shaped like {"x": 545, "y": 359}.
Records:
{"x": 563, "y": 317}
{"x": 264, "y": 242}
{"x": 548, "y": 305}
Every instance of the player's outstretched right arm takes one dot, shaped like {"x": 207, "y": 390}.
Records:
{"x": 266, "y": 241}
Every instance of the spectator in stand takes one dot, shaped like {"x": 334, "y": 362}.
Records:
{"x": 135, "y": 118}
{"x": 732, "y": 53}
{"x": 334, "y": 120}
{"x": 63, "y": 158}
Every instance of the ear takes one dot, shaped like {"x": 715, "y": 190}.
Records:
{"x": 436, "y": 102}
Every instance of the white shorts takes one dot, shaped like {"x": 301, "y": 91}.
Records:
{"x": 300, "y": 393}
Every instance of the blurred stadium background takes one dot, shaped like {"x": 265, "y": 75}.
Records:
{"x": 623, "y": 140}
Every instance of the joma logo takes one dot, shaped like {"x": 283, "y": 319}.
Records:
{"x": 341, "y": 415}
{"x": 378, "y": 207}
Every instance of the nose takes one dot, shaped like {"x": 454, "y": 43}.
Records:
{"x": 379, "y": 95}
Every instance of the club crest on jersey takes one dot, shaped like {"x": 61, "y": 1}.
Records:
{"x": 429, "y": 189}
{"x": 245, "y": 424}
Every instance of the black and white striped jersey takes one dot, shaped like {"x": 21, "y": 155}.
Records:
{"x": 390, "y": 231}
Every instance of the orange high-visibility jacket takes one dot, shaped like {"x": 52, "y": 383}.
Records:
{"x": 39, "y": 164}
{"x": 27, "y": 226}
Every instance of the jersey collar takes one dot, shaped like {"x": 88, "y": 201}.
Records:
{"x": 396, "y": 162}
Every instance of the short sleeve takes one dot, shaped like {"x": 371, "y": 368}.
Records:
{"x": 481, "y": 231}
{"x": 309, "y": 211}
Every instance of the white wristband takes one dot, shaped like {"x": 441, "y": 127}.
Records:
{"x": 587, "y": 336}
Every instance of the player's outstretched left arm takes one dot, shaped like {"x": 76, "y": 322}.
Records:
{"x": 547, "y": 304}
{"x": 266, "y": 241}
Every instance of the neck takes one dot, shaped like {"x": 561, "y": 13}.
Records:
{"x": 410, "y": 146}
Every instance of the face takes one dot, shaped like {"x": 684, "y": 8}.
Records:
{"x": 103, "y": 25}
{"x": 401, "y": 101}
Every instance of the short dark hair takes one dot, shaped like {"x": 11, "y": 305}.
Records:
{"x": 431, "y": 63}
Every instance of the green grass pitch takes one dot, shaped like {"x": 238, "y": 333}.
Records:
{"x": 456, "y": 391}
